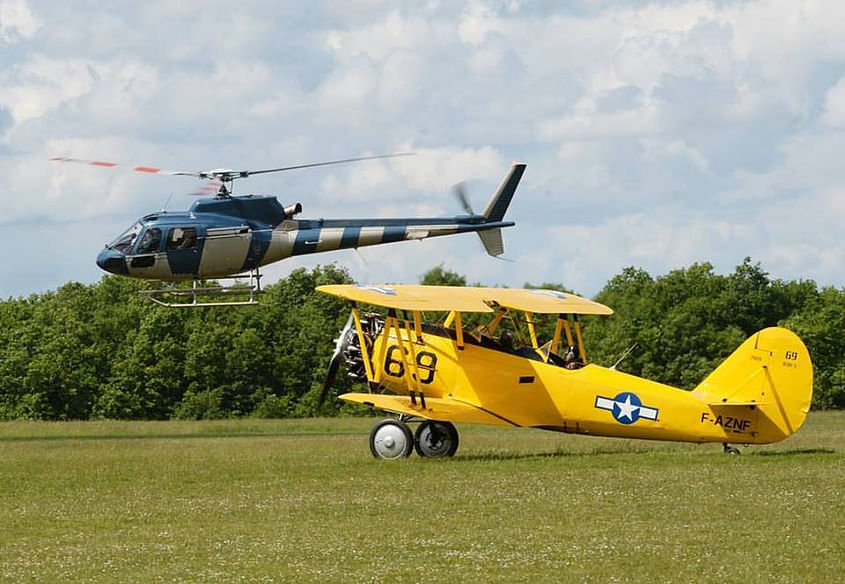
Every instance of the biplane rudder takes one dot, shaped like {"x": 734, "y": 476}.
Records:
{"x": 770, "y": 372}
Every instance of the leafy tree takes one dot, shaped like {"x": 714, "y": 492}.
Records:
{"x": 102, "y": 351}
{"x": 440, "y": 276}
{"x": 820, "y": 323}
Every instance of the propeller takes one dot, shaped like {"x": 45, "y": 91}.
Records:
{"x": 461, "y": 195}
{"x": 334, "y": 362}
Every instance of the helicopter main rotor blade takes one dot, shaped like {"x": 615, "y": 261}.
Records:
{"x": 219, "y": 176}
{"x": 246, "y": 173}
{"x": 209, "y": 188}
{"x": 139, "y": 168}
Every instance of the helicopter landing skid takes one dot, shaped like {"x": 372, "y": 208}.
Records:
{"x": 199, "y": 296}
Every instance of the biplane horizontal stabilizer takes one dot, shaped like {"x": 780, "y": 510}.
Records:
{"x": 727, "y": 402}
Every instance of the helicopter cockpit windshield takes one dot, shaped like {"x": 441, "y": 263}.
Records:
{"x": 124, "y": 242}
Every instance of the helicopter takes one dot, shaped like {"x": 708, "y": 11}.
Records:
{"x": 231, "y": 236}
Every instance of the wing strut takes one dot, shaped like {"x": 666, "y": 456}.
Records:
{"x": 365, "y": 352}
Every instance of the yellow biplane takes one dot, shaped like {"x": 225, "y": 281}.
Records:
{"x": 501, "y": 372}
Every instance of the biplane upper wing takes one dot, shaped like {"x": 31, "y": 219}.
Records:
{"x": 466, "y": 299}
{"x": 443, "y": 409}
{"x": 544, "y": 301}
{"x": 407, "y": 297}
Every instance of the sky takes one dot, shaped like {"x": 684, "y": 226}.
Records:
{"x": 656, "y": 134}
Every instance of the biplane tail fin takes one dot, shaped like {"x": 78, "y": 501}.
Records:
{"x": 770, "y": 372}
{"x": 498, "y": 205}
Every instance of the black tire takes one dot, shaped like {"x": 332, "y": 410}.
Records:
{"x": 391, "y": 440}
{"x": 436, "y": 439}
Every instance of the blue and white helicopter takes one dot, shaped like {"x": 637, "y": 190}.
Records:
{"x": 231, "y": 236}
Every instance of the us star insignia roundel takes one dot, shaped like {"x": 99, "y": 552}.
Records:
{"x": 626, "y": 408}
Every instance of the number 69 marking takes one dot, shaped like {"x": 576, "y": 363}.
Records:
{"x": 426, "y": 363}
{"x": 792, "y": 355}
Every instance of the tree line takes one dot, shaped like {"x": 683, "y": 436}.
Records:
{"x": 102, "y": 351}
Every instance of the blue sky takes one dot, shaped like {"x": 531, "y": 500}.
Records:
{"x": 656, "y": 134}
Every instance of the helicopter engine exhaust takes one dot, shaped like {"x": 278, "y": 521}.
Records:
{"x": 292, "y": 210}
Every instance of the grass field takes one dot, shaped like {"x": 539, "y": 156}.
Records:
{"x": 303, "y": 501}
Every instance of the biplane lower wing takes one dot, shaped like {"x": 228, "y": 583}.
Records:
{"x": 445, "y": 410}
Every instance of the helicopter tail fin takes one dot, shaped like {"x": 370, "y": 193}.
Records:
{"x": 498, "y": 205}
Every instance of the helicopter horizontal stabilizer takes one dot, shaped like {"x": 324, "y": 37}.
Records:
{"x": 492, "y": 240}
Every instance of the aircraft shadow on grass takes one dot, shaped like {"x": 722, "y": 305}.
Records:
{"x": 504, "y": 455}
{"x": 794, "y": 452}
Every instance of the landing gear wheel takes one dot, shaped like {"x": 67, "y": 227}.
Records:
{"x": 436, "y": 439}
{"x": 728, "y": 449}
{"x": 391, "y": 440}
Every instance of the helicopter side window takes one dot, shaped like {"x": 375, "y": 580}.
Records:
{"x": 150, "y": 241}
{"x": 126, "y": 240}
{"x": 182, "y": 238}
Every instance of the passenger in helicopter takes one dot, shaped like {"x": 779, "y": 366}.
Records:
{"x": 149, "y": 241}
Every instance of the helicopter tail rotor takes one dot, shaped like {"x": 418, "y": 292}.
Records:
{"x": 461, "y": 194}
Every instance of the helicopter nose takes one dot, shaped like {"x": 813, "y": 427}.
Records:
{"x": 112, "y": 261}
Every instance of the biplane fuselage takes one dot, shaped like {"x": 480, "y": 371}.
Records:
{"x": 760, "y": 394}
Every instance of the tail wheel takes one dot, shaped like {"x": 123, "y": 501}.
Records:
{"x": 436, "y": 439}
{"x": 728, "y": 449}
{"x": 391, "y": 440}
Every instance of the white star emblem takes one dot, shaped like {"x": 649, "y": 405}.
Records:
{"x": 626, "y": 410}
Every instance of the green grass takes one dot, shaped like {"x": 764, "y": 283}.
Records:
{"x": 303, "y": 501}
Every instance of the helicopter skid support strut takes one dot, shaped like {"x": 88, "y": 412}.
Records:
{"x": 198, "y": 296}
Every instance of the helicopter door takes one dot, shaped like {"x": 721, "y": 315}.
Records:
{"x": 144, "y": 262}
{"x": 183, "y": 250}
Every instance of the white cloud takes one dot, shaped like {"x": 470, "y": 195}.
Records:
{"x": 17, "y": 21}
{"x": 422, "y": 181}
{"x": 478, "y": 20}
{"x": 380, "y": 39}
{"x": 39, "y": 85}
{"x": 655, "y": 134}
{"x": 834, "y": 105}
